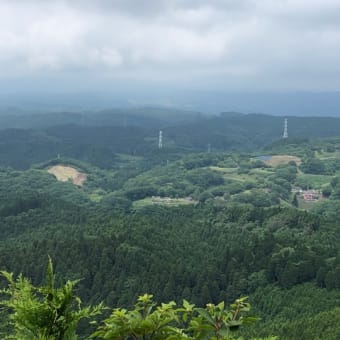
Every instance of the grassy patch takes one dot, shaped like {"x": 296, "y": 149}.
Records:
{"x": 306, "y": 205}
{"x": 327, "y": 155}
{"x": 232, "y": 173}
{"x": 224, "y": 170}
{"x": 261, "y": 173}
{"x": 282, "y": 159}
{"x": 166, "y": 201}
{"x": 315, "y": 181}
{"x": 96, "y": 196}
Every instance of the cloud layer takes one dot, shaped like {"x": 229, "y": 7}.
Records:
{"x": 243, "y": 44}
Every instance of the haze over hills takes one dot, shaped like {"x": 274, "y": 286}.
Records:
{"x": 207, "y": 102}
{"x": 97, "y": 137}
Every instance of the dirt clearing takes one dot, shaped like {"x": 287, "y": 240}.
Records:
{"x": 65, "y": 173}
{"x": 282, "y": 159}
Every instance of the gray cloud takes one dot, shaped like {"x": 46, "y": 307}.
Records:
{"x": 244, "y": 44}
{"x": 153, "y": 7}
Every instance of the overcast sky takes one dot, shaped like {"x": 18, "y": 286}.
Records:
{"x": 218, "y": 44}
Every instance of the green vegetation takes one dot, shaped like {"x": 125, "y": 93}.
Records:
{"x": 180, "y": 223}
{"x": 50, "y": 313}
{"x": 47, "y": 312}
{"x": 313, "y": 181}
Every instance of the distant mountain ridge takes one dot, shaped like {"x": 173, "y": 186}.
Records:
{"x": 97, "y": 138}
{"x": 143, "y": 117}
{"x": 299, "y": 103}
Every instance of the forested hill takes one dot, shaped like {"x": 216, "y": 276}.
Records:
{"x": 252, "y": 130}
{"x": 204, "y": 253}
{"x": 97, "y": 138}
{"x": 167, "y": 118}
{"x": 181, "y": 222}
{"x": 142, "y": 117}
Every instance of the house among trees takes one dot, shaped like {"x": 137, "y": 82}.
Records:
{"x": 311, "y": 195}
{"x": 307, "y": 195}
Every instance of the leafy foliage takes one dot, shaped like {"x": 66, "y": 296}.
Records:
{"x": 49, "y": 313}
{"x": 46, "y": 312}
{"x": 148, "y": 321}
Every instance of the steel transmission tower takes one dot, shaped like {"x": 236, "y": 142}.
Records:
{"x": 285, "y": 130}
{"x": 160, "y": 140}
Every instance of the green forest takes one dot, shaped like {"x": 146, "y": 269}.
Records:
{"x": 228, "y": 231}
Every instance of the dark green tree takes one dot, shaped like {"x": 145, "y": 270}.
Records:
{"x": 295, "y": 201}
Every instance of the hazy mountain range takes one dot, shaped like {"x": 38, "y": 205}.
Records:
{"x": 278, "y": 103}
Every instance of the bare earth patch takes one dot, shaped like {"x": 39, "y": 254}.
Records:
{"x": 64, "y": 173}
{"x": 282, "y": 159}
